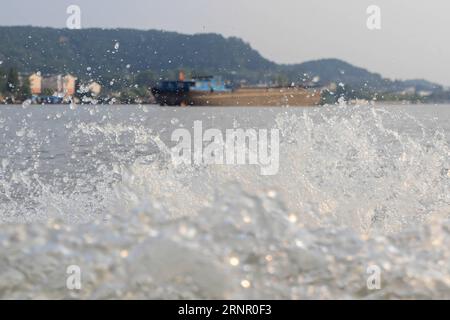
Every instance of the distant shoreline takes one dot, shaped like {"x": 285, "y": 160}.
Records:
{"x": 379, "y": 103}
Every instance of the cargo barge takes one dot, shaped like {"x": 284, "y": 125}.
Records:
{"x": 212, "y": 91}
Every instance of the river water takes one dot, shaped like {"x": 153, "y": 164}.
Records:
{"x": 358, "y": 188}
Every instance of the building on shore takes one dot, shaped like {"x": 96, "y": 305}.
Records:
{"x": 36, "y": 83}
{"x": 69, "y": 84}
{"x": 63, "y": 86}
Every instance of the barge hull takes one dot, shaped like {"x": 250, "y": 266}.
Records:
{"x": 274, "y": 97}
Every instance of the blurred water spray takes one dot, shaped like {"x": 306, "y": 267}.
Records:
{"x": 351, "y": 192}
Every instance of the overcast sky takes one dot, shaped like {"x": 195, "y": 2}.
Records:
{"x": 414, "y": 40}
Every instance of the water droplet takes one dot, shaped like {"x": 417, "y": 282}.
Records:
{"x": 272, "y": 194}
{"x": 5, "y": 163}
{"x": 20, "y": 133}
{"x": 292, "y": 218}
{"x": 245, "y": 284}
{"x": 234, "y": 261}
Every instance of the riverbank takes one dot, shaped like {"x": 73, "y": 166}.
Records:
{"x": 362, "y": 103}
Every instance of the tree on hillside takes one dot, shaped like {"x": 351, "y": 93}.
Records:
{"x": 2, "y": 81}
{"x": 48, "y": 92}
{"x": 24, "y": 91}
{"x": 12, "y": 82}
{"x": 145, "y": 79}
{"x": 281, "y": 80}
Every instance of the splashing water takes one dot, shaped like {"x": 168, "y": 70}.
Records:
{"x": 356, "y": 187}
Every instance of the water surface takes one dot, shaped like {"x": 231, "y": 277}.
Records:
{"x": 94, "y": 186}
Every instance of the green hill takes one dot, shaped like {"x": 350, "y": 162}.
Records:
{"x": 103, "y": 52}
{"x": 114, "y": 56}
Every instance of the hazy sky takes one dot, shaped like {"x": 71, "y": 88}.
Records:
{"x": 413, "y": 42}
